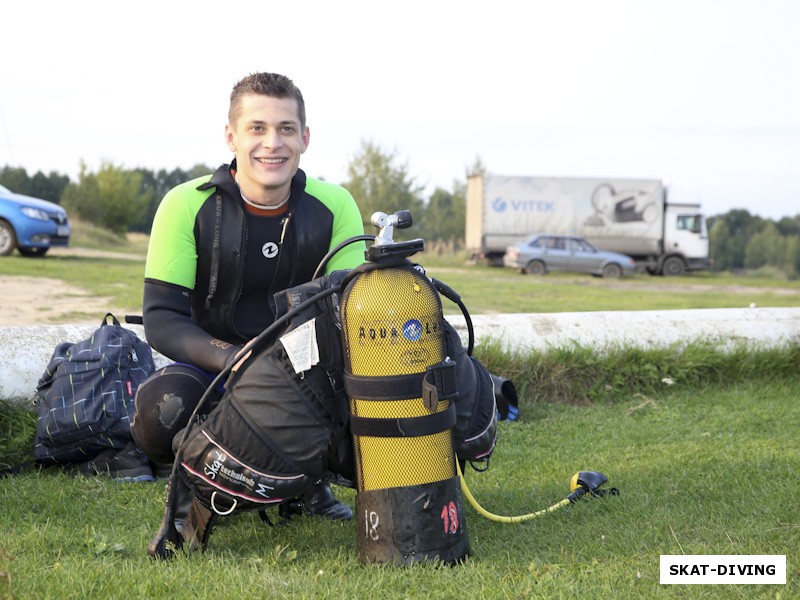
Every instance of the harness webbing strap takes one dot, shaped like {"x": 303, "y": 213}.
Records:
{"x": 438, "y": 380}
{"x": 390, "y": 387}
{"x": 404, "y": 426}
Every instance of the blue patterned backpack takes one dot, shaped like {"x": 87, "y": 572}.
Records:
{"x": 85, "y": 395}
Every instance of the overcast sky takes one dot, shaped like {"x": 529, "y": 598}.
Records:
{"x": 704, "y": 94}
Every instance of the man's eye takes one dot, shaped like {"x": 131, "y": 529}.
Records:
{"x": 289, "y": 129}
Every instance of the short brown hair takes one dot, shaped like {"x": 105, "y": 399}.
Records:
{"x": 266, "y": 84}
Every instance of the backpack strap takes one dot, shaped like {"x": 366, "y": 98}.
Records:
{"x": 17, "y": 469}
{"x": 114, "y": 320}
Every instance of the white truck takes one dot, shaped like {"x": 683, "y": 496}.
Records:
{"x": 631, "y": 216}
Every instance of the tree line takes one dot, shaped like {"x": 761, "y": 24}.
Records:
{"x": 123, "y": 200}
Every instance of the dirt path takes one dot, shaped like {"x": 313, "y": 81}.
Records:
{"x": 26, "y": 301}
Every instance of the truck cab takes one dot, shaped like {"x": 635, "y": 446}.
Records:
{"x": 685, "y": 241}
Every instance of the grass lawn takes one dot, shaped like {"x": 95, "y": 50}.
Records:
{"x": 700, "y": 471}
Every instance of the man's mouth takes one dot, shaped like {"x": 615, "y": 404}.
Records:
{"x": 271, "y": 161}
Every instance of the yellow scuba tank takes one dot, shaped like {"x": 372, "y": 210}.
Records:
{"x": 401, "y": 416}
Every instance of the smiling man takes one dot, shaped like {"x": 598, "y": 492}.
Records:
{"x": 223, "y": 244}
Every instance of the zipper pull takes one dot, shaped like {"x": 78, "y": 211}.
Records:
{"x": 285, "y": 224}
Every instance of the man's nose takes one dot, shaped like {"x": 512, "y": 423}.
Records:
{"x": 272, "y": 139}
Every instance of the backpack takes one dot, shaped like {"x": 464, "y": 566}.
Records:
{"x": 85, "y": 395}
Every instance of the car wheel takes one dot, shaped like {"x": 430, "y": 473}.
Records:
{"x": 673, "y": 266}
{"x": 612, "y": 271}
{"x": 8, "y": 239}
{"x": 536, "y": 267}
{"x": 32, "y": 251}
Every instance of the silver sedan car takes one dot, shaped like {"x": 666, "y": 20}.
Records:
{"x": 540, "y": 253}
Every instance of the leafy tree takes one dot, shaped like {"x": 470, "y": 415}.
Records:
{"x": 767, "y": 247}
{"x": 741, "y": 226}
{"x": 157, "y": 184}
{"x": 719, "y": 245}
{"x": 478, "y": 167}
{"x": 792, "y": 256}
{"x": 16, "y": 179}
{"x": 444, "y": 215}
{"x": 789, "y": 225}
{"x": 380, "y": 185}
{"x": 47, "y": 187}
{"x": 111, "y": 198}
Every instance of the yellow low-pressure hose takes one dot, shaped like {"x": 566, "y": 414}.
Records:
{"x": 500, "y": 519}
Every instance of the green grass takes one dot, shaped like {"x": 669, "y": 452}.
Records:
{"x": 706, "y": 464}
{"x": 701, "y": 470}
{"x": 501, "y": 290}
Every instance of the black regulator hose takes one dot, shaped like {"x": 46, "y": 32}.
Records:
{"x": 449, "y": 293}
{"x": 333, "y": 251}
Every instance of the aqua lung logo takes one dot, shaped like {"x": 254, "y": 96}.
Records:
{"x": 412, "y": 330}
{"x": 380, "y": 333}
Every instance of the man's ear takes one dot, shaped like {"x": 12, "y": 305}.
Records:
{"x": 230, "y": 138}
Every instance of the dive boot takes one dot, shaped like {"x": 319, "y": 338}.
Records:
{"x": 319, "y": 501}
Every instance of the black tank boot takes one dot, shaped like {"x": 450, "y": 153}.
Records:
{"x": 319, "y": 501}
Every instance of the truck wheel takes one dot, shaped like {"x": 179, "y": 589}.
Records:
{"x": 536, "y": 267}
{"x": 673, "y": 267}
{"x": 8, "y": 239}
{"x": 612, "y": 271}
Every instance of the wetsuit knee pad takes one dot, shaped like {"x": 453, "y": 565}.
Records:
{"x": 164, "y": 402}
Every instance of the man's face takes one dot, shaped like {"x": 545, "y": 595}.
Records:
{"x": 268, "y": 140}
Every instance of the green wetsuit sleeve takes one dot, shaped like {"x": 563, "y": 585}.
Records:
{"x": 346, "y": 223}
{"x": 172, "y": 251}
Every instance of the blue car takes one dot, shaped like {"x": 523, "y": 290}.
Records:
{"x": 31, "y": 225}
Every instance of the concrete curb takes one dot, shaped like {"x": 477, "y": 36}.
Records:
{"x": 726, "y": 327}
{"x": 25, "y": 351}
